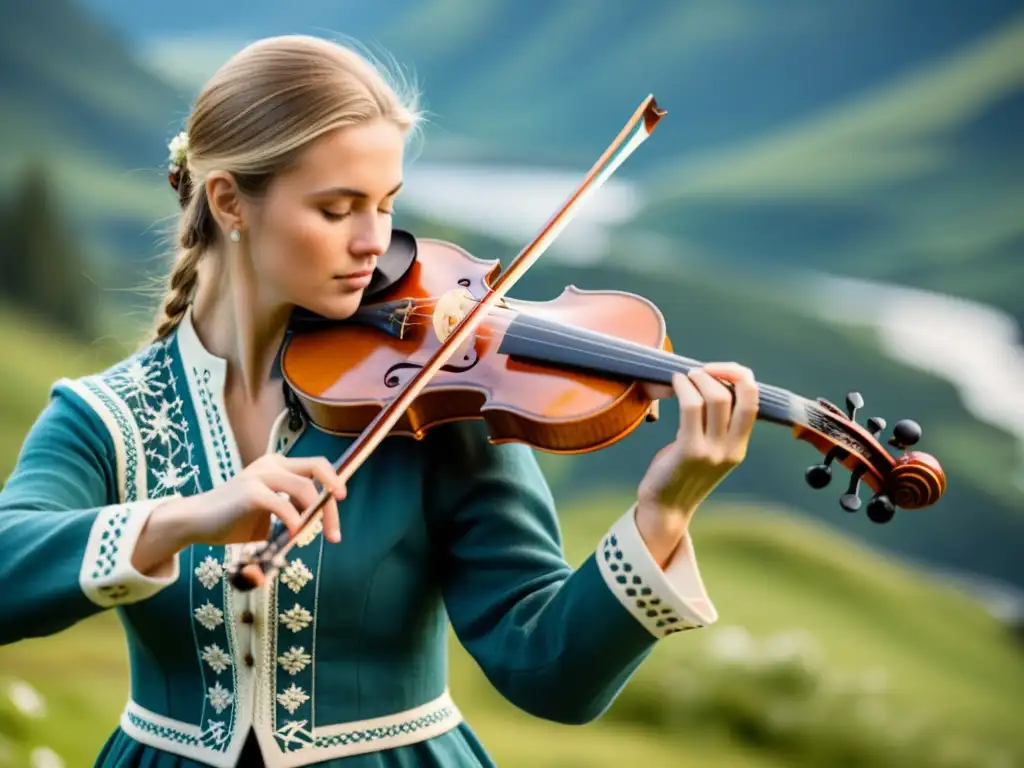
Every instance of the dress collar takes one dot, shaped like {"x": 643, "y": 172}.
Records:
{"x": 207, "y": 376}
{"x": 196, "y": 356}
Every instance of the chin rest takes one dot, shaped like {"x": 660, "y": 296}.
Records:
{"x": 392, "y": 265}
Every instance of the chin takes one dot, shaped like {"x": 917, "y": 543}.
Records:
{"x": 336, "y": 307}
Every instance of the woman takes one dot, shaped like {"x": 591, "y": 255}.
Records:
{"x": 137, "y": 486}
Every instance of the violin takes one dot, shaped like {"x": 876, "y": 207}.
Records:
{"x": 443, "y": 342}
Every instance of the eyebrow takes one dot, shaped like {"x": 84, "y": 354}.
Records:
{"x": 350, "y": 192}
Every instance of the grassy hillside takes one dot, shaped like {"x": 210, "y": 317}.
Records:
{"x": 825, "y": 655}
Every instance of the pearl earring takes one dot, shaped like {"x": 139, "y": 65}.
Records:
{"x": 235, "y": 235}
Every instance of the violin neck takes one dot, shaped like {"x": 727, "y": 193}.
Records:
{"x": 537, "y": 339}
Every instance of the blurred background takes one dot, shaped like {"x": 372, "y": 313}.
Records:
{"x": 835, "y": 199}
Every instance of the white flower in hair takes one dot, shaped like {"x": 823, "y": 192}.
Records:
{"x": 178, "y": 147}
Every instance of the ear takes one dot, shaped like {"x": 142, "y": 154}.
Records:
{"x": 225, "y": 201}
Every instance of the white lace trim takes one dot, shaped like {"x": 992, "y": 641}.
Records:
{"x": 663, "y": 601}
{"x": 305, "y": 745}
{"x": 107, "y": 576}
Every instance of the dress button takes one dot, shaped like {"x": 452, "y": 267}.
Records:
{"x": 249, "y": 661}
{"x": 247, "y": 617}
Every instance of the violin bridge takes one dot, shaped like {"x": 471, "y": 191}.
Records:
{"x": 449, "y": 311}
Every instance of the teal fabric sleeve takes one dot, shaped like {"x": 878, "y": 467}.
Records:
{"x": 67, "y": 542}
{"x": 554, "y": 641}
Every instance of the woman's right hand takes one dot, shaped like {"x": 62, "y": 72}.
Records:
{"x": 240, "y": 511}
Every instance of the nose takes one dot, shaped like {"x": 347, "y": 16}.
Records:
{"x": 371, "y": 236}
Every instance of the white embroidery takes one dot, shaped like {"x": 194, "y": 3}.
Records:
{"x": 209, "y": 615}
{"x": 296, "y": 575}
{"x": 216, "y": 658}
{"x": 209, "y": 572}
{"x": 295, "y": 733}
{"x": 149, "y": 388}
{"x": 296, "y": 618}
{"x": 313, "y": 530}
{"x": 292, "y": 698}
{"x": 294, "y": 660}
{"x": 220, "y": 697}
{"x": 216, "y": 734}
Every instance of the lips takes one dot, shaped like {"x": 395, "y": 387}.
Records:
{"x": 356, "y": 275}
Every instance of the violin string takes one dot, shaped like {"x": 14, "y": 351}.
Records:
{"x": 639, "y": 353}
{"x": 661, "y": 360}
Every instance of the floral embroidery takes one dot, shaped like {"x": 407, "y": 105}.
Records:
{"x": 209, "y": 572}
{"x": 296, "y": 575}
{"x": 147, "y": 385}
{"x": 220, "y": 697}
{"x": 294, "y": 660}
{"x": 216, "y": 658}
{"x": 292, "y": 698}
{"x": 296, "y": 618}
{"x": 209, "y": 615}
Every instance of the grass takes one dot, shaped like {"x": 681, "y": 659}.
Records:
{"x": 827, "y": 653}
{"x": 907, "y": 647}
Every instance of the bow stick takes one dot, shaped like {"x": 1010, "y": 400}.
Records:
{"x": 251, "y": 568}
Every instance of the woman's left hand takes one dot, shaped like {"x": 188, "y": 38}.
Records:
{"x": 714, "y": 430}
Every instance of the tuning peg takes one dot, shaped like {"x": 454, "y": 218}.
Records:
{"x": 875, "y": 425}
{"x": 905, "y": 433}
{"x": 850, "y": 501}
{"x": 880, "y": 509}
{"x": 820, "y": 475}
{"x": 854, "y": 402}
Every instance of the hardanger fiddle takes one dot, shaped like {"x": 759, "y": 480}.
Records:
{"x": 442, "y": 342}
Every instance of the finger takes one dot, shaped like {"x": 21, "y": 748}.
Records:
{"x": 320, "y": 469}
{"x": 323, "y": 471}
{"x": 691, "y": 411}
{"x": 281, "y": 508}
{"x": 717, "y": 404}
{"x": 747, "y": 399}
{"x": 299, "y": 488}
{"x": 732, "y": 372}
{"x": 744, "y": 414}
{"x": 332, "y": 522}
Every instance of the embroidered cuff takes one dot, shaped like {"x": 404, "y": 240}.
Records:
{"x": 663, "y": 601}
{"x": 108, "y": 577}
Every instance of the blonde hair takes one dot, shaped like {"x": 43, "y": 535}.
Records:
{"x": 256, "y": 113}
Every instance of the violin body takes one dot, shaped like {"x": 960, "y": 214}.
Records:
{"x": 554, "y": 408}
{"x": 437, "y": 340}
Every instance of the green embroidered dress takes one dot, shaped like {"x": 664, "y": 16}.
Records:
{"x": 341, "y": 660}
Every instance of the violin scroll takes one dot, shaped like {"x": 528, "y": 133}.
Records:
{"x": 911, "y": 480}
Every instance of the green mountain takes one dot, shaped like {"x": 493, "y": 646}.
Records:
{"x": 555, "y": 85}
{"x": 76, "y": 103}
